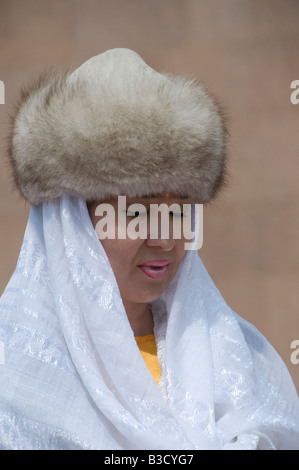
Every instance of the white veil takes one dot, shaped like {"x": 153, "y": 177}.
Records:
{"x": 73, "y": 377}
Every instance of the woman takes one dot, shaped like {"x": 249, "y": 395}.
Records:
{"x": 85, "y": 311}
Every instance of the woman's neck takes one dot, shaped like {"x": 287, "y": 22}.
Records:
{"x": 140, "y": 317}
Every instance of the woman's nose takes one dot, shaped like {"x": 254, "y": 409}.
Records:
{"x": 165, "y": 244}
{"x": 156, "y": 240}
{"x": 161, "y": 233}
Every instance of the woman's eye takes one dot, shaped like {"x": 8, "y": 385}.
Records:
{"x": 136, "y": 214}
{"x": 177, "y": 215}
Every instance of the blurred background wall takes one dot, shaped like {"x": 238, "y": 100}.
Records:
{"x": 247, "y": 52}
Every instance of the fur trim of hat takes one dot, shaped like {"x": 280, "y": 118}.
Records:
{"x": 114, "y": 127}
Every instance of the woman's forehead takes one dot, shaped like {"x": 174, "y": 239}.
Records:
{"x": 150, "y": 199}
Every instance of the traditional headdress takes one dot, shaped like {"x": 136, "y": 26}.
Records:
{"x": 115, "y": 126}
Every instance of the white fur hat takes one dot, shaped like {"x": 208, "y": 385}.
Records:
{"x": 117, "y": 127}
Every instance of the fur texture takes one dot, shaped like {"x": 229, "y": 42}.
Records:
{"x": 117, "y": 127}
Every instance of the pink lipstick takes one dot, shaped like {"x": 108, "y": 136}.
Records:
{"x": 155, "y": 269}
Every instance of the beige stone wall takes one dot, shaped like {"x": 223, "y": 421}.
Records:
{"x": 247, "y": 52}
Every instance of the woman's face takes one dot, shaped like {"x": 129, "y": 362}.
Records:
{"x": 143, "y": 267}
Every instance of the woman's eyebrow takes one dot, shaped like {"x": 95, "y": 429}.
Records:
{"x": 158, "y": 196}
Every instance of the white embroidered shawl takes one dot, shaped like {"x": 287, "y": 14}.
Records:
{"x": 73, "y": 377}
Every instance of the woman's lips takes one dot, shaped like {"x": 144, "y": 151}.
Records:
{"x": 155, "y": 269}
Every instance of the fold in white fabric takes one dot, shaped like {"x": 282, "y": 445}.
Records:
{"x": 73, "y": 376}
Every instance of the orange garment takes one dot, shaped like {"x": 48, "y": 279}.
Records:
{"x": 148, "y": 350}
